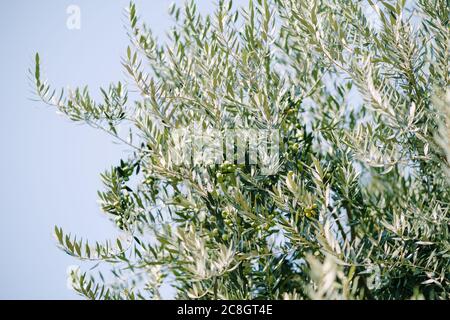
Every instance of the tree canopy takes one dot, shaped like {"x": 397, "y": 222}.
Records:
{"x": 285, "y": 150}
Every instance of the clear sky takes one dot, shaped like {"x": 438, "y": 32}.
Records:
{"x": 50, "y": 166}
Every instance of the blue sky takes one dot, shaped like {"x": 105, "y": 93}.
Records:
{"x": 50, "y": 166}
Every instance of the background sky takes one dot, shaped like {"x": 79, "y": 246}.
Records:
{"x": 50, "y": 166}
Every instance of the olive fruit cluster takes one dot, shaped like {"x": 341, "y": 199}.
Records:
{"x": 227, "y": 218}
{"x": 124, "y": 220}
{"x": 225, "y": 169}
{"x": 296, "y": 137}
{"x": 310, "y": 211}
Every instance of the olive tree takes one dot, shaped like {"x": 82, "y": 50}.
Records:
{"x": 285, "y": 150}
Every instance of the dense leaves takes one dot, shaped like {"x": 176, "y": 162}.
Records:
{"x": 355, "y": 203}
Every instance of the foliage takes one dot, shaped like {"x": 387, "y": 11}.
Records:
{"x": 356, "y": 205}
